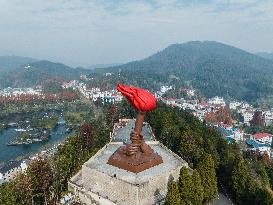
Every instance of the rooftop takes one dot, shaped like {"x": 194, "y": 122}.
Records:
{"x": 255, "y": 144}
{"x": 99, "y": 163}
{"x": 9, "y": 165}
{"x": 261, "y": 135}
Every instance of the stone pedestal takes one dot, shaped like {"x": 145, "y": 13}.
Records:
{"x": 101, "y": 183}
{"x": 137, "y": 163}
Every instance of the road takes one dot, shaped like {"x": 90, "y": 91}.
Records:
{"x": 222, "y": 200}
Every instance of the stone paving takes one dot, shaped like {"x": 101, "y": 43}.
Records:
{"x": 123, "y": 134}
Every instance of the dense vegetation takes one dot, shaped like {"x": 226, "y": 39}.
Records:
{"x": 212, "y": 68}
{"x": 266, "y": 55}
{"x": 243, "y": 176}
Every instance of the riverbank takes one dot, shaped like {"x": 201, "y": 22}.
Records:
{"x": 8, "y": 153}
{"x": 9, "y": 170}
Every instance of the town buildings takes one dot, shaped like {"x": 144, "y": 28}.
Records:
{"x": 11, "y": 169}
{"x": 248, "y": 116}
{"x": 263, "y": 138}
{"x": 217, "y": 101}
{"x": 94, "y": 94}
{"x": 268, "y": 118}
{"x": 261, "y": 142}
{"x": 13, "y": 92}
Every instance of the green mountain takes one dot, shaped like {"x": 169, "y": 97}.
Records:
{"x": 38, "y": 72}
{"x": 97, "y": 66}
{"x": 8, "y": 63}
{"x": 265, "y": 55}
{"x": 211, "y": 67}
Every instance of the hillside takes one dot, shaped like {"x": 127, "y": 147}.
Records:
{"x": 211, "y": 67}
{"x": 8, "y": 63}
{"x": 37, "y": 72}
{"x": 265, "y": 55}
{"x": 97, "y": 66}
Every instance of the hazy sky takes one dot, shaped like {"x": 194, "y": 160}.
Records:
{"x": 86, "y": 32}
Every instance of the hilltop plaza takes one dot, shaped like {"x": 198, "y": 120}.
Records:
{"x": 98, "y": 182}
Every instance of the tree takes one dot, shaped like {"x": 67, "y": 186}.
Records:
{"x": 198, "y": 190}
{"x": 41, "y": 176}
{"x": 52, "y": 86}
{"x": 23, "y": 188}
{"x": 206, "y": 169}
{"x": 257, "y": 120}
{"x": 173, "y": 196}
{"x": 8, "y": 194}
{"x": 263, "y": 197}
{"x": 221, "y": 115}
{"x": 185, "y": 186}
{"x": 86, "y": 135}
{"x": 242, "y": 184}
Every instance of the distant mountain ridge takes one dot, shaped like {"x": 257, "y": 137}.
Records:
{"x": 8, "y": 63}
{"x": 265, "y": 55}
{"x": 211, "y": 67}
{"x": 38, "y": 72}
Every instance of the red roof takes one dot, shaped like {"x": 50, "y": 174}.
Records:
{"x": 226, "y": 126}
{"x": 204, "y": 104}
{"x": 262, "y": 135}
{"x": 171, "y": 99}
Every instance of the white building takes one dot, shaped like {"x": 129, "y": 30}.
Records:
{"x": 217, "y": 101}
{"x": 238, "y": 135}
{"x": 108, "y": 74}
{"x": 248, "y": 116}
{"x": 170, "y": 101}
{"x": 23, "y": 166}
{"x": 191, "y": 92}
{"x": 165, "y": 88}
{"x": 200, "y": 114}
{"x": 234, "y": 105}
{"x": 268, "y": 118}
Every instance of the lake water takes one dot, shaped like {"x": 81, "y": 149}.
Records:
{"x": 14, "y": 152}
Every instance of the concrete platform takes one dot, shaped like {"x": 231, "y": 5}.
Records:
{"x": 101, "y": 183}
{"x": 123, "y": 134}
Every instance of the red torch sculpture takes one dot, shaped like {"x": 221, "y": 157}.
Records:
{"x": 137, "y": 156}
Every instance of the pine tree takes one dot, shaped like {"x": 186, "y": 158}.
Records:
{"x": 263, "y": 196}
{"x": 185, "y": 186}
{"x": 173, "y": 196}
{"x": 206, "y": 169}
{"x": 198, "y": 190}
{"x": 242, "y": 184}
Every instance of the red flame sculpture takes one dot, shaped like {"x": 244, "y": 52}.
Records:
{"x": 140, "y": 99}
{"x": 137, "y": 156}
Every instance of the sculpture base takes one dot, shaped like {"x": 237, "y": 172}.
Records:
{"x": 100, "y": 183}
{"x": 137, "y": 163}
